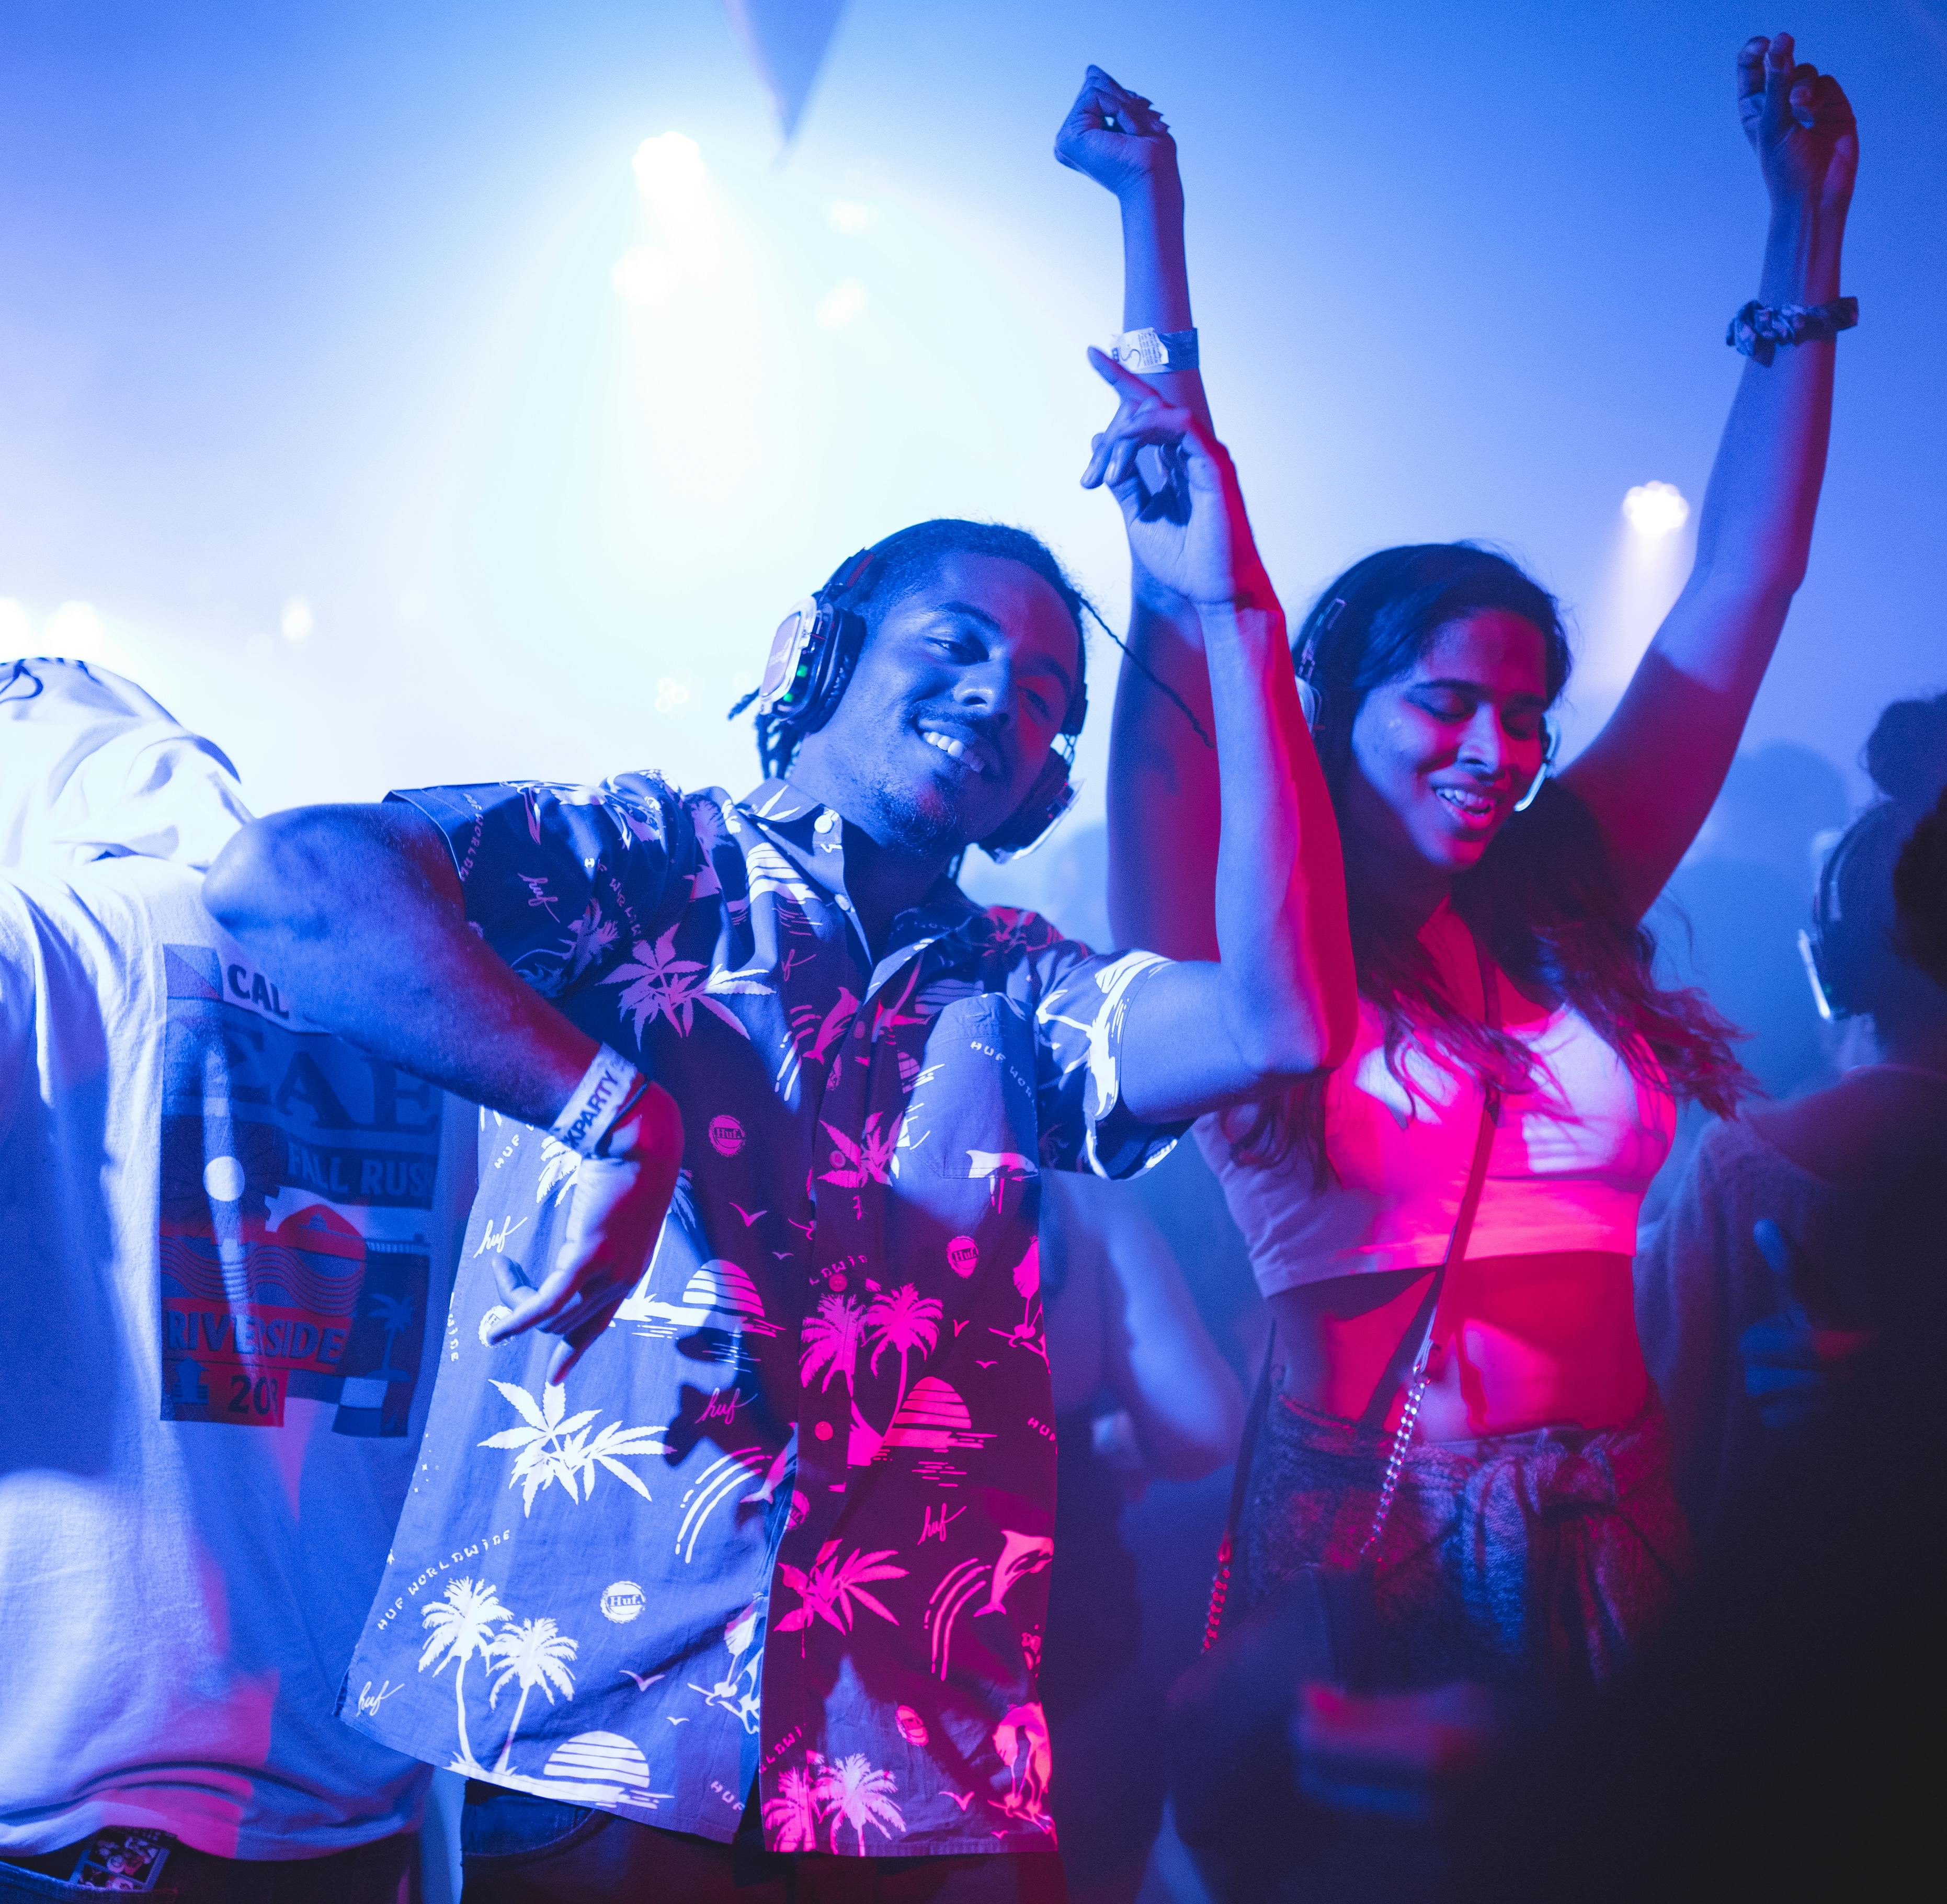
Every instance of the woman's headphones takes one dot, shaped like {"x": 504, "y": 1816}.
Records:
{"x": 812, "y": 656}
{"x": 1838, "y": 949}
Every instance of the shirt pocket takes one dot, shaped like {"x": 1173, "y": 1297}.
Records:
{"x": 971, "y": 1115}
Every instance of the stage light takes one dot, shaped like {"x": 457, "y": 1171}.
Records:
{"x": 670, "y": 171}
{"x": 1656, "y": 509}
{"x": 671, "y": 695}
{"x": 849, "y": 216}
{"x": 74, "y": 629}
{"x": 840, "y": 304}
{"x": 296, "y": 622}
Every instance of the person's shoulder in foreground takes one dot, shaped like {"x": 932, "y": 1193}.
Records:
{"x": 234, "y": 1222}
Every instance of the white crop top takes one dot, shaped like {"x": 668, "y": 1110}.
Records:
{"x": 1570, "y": 1161}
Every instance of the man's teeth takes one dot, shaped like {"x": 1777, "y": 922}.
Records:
{"x": 1476, "y": 806}
{"x": 944, "y": 743}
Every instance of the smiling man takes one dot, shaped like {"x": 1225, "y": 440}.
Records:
{"x": 762, "y": 1578}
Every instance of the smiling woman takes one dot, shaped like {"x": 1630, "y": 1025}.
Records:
{"x": 1443, "y": 1221}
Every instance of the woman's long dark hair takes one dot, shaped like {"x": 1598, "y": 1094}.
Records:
{"x": 1543, "y": 898}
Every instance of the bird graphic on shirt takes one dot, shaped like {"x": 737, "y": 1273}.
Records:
{"x": 643, "y": 1680}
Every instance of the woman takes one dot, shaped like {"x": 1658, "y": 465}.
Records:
{"x": 1534, "y": 1539}
{"x": 1709, "y": 1274}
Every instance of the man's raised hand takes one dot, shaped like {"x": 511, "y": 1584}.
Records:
{"x": 1189, "y": 530}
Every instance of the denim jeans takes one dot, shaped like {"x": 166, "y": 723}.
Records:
{"x": 525, "y": 1850}
{"x": 380, "y": 1873}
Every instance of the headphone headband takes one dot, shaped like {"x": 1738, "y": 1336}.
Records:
{"x": 812, "y": 655}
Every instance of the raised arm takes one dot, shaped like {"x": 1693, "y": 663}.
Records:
{"x": 1163, "y": 792}
{"x": 356, "y": 910}
{"x": 1281, "y": 1001}
{"x": 1651, "y": 774}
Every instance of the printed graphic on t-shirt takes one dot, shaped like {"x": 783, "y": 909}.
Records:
{"x": 297, "y": 1182}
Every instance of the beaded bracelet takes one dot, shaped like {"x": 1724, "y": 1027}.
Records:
{"x": 1759, "y": 329}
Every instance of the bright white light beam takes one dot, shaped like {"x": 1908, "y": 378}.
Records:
{"x": 670, "y": 171}
{"x": 1656, "y": 509}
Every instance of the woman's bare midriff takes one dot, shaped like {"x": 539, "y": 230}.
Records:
{"x": 1542, "y": 1341}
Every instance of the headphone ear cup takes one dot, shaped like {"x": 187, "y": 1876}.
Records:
{"x": 1050, "y": 797}
{"x": 841, "y": 634}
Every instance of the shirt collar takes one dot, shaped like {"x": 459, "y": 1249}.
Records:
{"x": 814, "y": 835}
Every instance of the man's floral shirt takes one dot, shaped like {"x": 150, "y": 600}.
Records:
{"x": 791, "y": 1518}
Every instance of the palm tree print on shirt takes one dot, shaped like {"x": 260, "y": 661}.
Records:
{"x": 662, "y": 986}
{"x": 793, "y": 1816}
{"x": 553, "y": 1449}
{"x": 851, "y": 1791}
{"x": 559, "y": 1164}
{"x": 534, "y": 1652}
{"x": 856, "y": 1794}
{"x": 461, "y": 1627}
{"x": 393, "y": 1314}
{"x": 829, "y": 1342}
{"x": 903, "y": 1321}
{"x": 588, "y": 938}
{"x": 868, "y": 1161}
{"x": 832, "y": 1585}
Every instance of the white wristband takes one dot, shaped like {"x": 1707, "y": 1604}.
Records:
{"x": 589, "y": 1114}
{"x": 1149, "y": 350}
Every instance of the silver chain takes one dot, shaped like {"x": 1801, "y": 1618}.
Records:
{"x": 1395, "y": 1464}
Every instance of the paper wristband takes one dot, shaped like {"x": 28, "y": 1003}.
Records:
{"x": 1148, "y": 351}
{"x": 606, "y": 1086}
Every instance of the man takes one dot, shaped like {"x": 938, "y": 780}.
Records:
{"x": 226, "y": 1251}
{"x": 752, "y": 1603}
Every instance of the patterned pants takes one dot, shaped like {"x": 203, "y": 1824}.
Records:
{"x": 1539, "y": 1561}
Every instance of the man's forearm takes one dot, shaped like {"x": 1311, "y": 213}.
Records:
{"x": 1163, "y": 811}
{"x": 1285, "y": 945}
{"x": 356, "y": 911}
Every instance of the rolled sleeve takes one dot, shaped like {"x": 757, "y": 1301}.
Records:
{"x": 561, "y": 881}
{"x": 1083, "y": 1009}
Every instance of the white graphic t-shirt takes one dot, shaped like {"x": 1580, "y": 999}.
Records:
{"x": 227, "y": 1244}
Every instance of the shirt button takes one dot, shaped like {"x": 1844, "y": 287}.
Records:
{"x": 824, "y": 822}
{"x": 823, "y": 1431}
{"x": 844, "y": 904}
{"x": 859, "y": 1029}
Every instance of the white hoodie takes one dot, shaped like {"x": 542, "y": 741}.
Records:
{"x": 227, "y": 1245}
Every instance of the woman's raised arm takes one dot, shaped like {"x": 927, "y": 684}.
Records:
{"x": 1651, "y": 774}
{"x": 1164, "y": 811}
